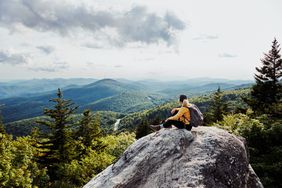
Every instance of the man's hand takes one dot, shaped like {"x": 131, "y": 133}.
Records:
{"x": 173, "y": 110}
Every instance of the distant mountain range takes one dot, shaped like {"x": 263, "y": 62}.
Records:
{"x": 30, "y": 87}
{"x": 29, "y": 98}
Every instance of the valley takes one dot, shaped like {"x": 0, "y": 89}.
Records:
{"x": 120, "y": 103}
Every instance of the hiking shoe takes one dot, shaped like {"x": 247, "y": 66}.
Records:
{"x": 155, "y": 127}
{"x": 162, "y": 122}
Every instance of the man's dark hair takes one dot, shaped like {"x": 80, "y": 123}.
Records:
{"x": 182, "y": 97}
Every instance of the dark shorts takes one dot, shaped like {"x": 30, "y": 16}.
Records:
{"x": 178, "y": 124}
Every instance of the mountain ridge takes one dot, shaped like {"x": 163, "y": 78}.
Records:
{"x": 27, "y": 106}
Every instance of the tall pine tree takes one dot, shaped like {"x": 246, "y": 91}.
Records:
{"x": 55, "y": 146}
{"x": 2, "y": 128}
{"x": 143, "y": 129}
{"x": 217, "y": 108}
{"x": 266, "y": 94}
{"x": 89, "y": 129}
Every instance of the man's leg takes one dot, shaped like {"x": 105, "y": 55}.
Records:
{"x": 179, "y": 124}
{"x": 189, "y": 127}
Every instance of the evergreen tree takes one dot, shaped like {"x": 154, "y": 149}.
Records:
{"x": 143, "y": 129}
{"x": 217, "y": 108}
{"x": 2, "y": 128}
{"x": 89, "y": 129}
{"x": 56, "y": 146}
{"x": 266, "y": 94}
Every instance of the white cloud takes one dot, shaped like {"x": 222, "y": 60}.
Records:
{"x": 46, "y": 49}
{"x": 51, "y": 67}
{"x": 118, "y": 66}
{"x": 204, "y": 37}
{"x": 93, "y": 45}
{"x": 13, "y": 58}
{"x": 32, "y": 61}
{"x": 226, "y": 55}
{"x": 134, "y": 25}
{"x": 92, "y": 32}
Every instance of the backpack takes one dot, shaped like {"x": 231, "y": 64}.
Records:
{"x": 196, "y": 116}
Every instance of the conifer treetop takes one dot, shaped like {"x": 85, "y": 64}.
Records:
{"x": 271, "y": 69}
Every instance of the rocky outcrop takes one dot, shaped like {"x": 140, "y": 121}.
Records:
{"x": 205, "y": 157}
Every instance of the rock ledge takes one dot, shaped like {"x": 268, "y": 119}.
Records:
{"x": 205, "y": 157}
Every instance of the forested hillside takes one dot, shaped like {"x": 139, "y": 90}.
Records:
{"x": 63, "y": 150}
{"x": 132, "y": 105}
{"x": 161, "y": 112}
{"x": 24, "y": 127}
{"x": 123, "y": 96}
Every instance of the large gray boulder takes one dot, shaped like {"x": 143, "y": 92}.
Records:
{"x": 205, "y": 157}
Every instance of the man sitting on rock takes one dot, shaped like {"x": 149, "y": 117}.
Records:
{"x": 180, "y": 116}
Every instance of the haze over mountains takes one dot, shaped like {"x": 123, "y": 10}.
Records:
{"x": 18, "y": 88}
{"x": 29, "y": 97}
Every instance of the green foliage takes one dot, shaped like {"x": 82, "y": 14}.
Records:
{"x": 57, "y": 146}
{"x": 217, "y": 108}
{"x": 89, "y": 128}
{"x": 116, "y": 144}
{"x": 103, "y": 95}
{"x": 68, "y": 155}
{"x": 155, "y": 115}
{"x": 79, "y": 171}
{"x": 152, "y": 116}
{"x": 143, "y": 129}
{"x": 2, "y": 129}
{"x": 263, "y": 135}
{"x": 17, "y": 165}
{"x": 25, "y": 126}
{"x": 266, "y": 94}
{"x": 272, "y": 66}
{"x": 127, "y": 102}
{"x": 262, "y": 126}
{"x": 239, "y": 124}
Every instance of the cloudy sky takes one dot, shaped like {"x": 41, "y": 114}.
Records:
{"x": 145, "y": 39}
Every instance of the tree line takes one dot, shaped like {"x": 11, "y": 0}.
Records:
{"x": 257, "y": 117}
{"x": 261, "y": 122}
{"x": 68, "y": 155}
